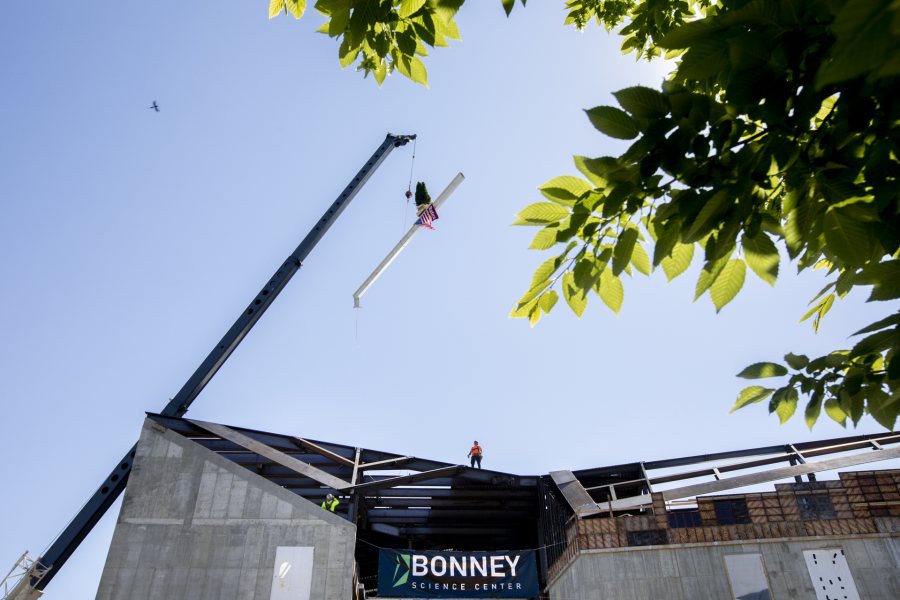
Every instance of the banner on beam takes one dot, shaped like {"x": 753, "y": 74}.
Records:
{"x": 430, "y": 574}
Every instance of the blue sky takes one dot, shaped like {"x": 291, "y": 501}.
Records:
{"x": 132, "y": 240}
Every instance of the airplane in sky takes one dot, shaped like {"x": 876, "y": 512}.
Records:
{"x": 154, "y": 106}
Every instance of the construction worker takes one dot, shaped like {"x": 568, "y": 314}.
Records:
{"x": 330, "y": 502}
{"x": 475, "y": 454}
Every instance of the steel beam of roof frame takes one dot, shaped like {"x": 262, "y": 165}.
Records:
{"x": 272, "y": 454}
{"x": 332, "y": 456}
{"x": 579, "y": 500}
{"x": 755, "y": 478}
{"x": 406, "y": 479}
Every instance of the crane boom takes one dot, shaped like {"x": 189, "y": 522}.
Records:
{"x": 60, "y": 550}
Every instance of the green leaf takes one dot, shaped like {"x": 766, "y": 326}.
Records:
{"x": 380, "y": 71}
{"x": 640, "y": 259}
{"x": 708, "y": 216}
{"x": 545, "y": 271}
{"x": 881, "y": 324}
{"x": 857, "y": 407}
{"x": 813, "y": 409}
{"x": 544, "y": 239}
{"x": 542, "y": 213}
{"x": 643, "y": 102}
{"x": 589, "y": 167}
{"x": 295, "y": 7}
{"x": 708, "y": 276}
{"x": 445, "y": 25}
{"x": 837, "y": 359}
{"x": 275, "y": 7}
{"x": 820, "y": 310}
{"x": 523, "y": 310}
{"x": 762, "y": 370}
{"x": 574, "y": 295}
{"x": 548, "y": 300}
{"x": 689, "y": 34}
{"x": 679, "y": 261}
{"x": 784, "y": 403}
{"x": 614, "y": 122}
{"x": 623, "y": 250}
{"x": 346, "y": 53}
{"x": 833, "y": 409}
{"x": 409, "y": 7}
{"x": 847, "y": 238}
{"x": 728, "y": 283}
{"x": 761, "y": 256}
{"x": 877, "y": 342}
{"x": 885, "y": 276}
{"x": 417, "y": 71}
{"x": 586, "y": 272}
{"x": 534, "y": 315}
{"x": 880, "y": 407}
{"x": 565, "y": 189}
{"x": 863, "y": 31}
{"x": 666, "y": 236}
{"x": 705, "y": 59}
{"x": 610, "y": 290}
{"x": 796, "y": 361}
{"x": 339, "y": 11}
{"x": 751, "y": 395}
{"x": 530, "y": 297}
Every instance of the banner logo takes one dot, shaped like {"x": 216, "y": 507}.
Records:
{"x": 401, "y": 571}
{"x": 430, "y": 574}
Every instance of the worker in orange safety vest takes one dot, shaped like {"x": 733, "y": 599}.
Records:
{"x": 475, "y": 454}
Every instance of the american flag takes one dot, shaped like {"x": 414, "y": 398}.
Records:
{"x": 427, "y": 216}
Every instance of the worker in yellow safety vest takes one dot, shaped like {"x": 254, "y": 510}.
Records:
{"x": 330, "y": 502}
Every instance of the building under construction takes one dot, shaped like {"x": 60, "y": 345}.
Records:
{"x": 216, "y": 511}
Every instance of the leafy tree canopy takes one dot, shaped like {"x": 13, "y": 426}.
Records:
{"x": 778, "y": 128}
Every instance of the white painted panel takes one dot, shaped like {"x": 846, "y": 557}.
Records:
{"x": 830, "y": 574}
{"x": 293, "y": 573}
{"x": 747, "y": 577}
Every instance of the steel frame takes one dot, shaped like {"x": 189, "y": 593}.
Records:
{"x": 604, "y": 496}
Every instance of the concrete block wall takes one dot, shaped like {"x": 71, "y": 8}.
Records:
{"x": 697, "y": 571}
{"x": 195, "y": 525}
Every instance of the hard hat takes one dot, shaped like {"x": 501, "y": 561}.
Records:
{"x": 329, "y": 497}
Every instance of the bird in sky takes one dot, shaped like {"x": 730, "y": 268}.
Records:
{"x": 154, "y": 106}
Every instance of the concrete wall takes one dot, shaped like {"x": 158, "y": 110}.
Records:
{"x": 195, "y": 525}
{"x": 697, "y": 571}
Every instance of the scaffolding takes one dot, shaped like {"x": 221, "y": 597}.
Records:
{"x": 21, "y": 579}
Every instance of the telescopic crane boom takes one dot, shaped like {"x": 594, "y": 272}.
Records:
{"x": 58, "y": 552}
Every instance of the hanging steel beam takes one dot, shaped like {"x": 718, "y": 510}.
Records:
{"x": 384, "y": 264}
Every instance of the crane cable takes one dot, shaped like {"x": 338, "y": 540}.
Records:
{"x": 409, "y": 193}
